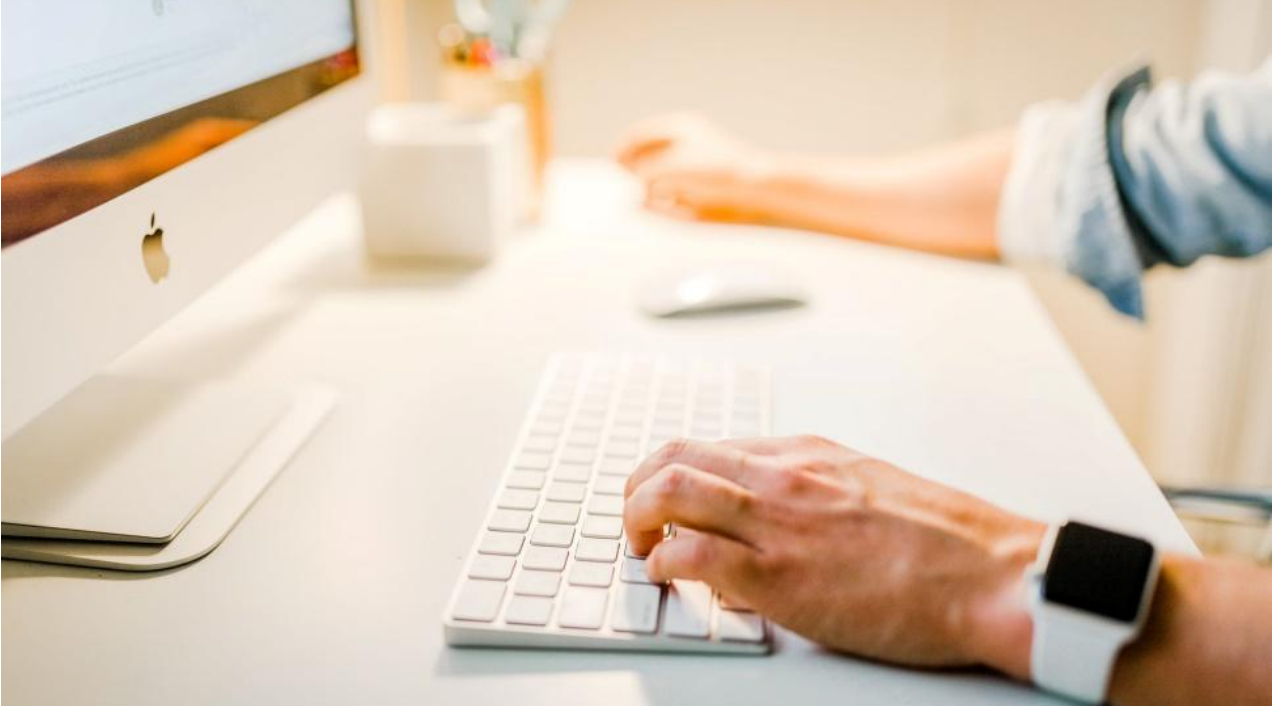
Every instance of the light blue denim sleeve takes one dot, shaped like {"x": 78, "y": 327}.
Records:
{"x": 1165, "y": 174}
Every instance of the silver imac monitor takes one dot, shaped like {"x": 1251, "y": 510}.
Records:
{"x": 149, "y": 147}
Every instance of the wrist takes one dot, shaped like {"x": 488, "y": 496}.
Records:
{"x": 1001, "y": 627}
{"x": 759, "y": 173}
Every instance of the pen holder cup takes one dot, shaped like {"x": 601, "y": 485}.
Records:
{"x": 479, "y": 89}
{"x": 437, "y": 184}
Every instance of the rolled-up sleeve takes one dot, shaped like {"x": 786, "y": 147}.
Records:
{"x": 1132, "y": 176}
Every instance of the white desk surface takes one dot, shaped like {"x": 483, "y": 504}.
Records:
{"x": 330, "y": 590}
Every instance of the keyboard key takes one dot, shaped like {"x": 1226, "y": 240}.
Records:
{"x": 677, "y": 377}
{"x": 603, "y": 550}
{"x": 560, "y": 394}
{"x": 670, "y": 421}
{"x": 609, "y": 485}
{"x": 553, "y": 413}
{"x": 589, "y": 422}
{"x": 585, "y": 438}
{"x": 574, "y": 454}
{"x": 739, "y": 626}
{"x": 629, "y": 417}
{"x": 585, "y": 573}
{"x": 566, "y": 492}
{"x": 626, "y": 432}
{"x": 708, "y": 410}
{"x": 479, "y": 601}
{"x": 634, "y": 571}
{"x": 668, "y": 424}
{"x": 561, "y": 391}
{"x": 617, "y": 466}
{"x": 581, "y": 607}
{"x": 602, "y": 527}
{"x": 544, "y": 559}
{"x": 572, "y": 472}
{"x": 503, "y": 543}
{"x": 747, "y": 407}
{"x": 537, "y": 583}
{"x": 635, "y": 609}
{"x": 731, "y": 604}
{"x": 546, "y": 428}
{"x": 632, "y": 398}
{"x": 552, "y": 535}
{"x": 526, "y": 480}
{"x": 509, "y": 521}
{"x": 528, "y": 610}
{"x": 559, "y": 513}
{"x": 606, "y": 505}
{"x": 689, "y": 609}
{"x": 496, "y": 568}
{"x": 518, "y": 499}
{"x": 621, "y": 449}
{"x": 631, "y": 406}
{"x": 595, "y": 400}
{"x": 545, "y": 444}
{"x": 533, "y": 461}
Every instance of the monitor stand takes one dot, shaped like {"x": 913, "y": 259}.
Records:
{"x": 141, "y": 474}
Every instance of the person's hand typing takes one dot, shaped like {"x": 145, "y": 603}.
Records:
{"x": 845, "y": 549}
{"x": 691, "y": 167}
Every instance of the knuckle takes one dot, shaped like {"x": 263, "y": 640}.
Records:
{"x": 654, "y": 562}
{"x": 769, "y": 563}
{"x": 817, "y": 466}
{"x": 701, "y": 553}
{"x": 789, "y": 479}
{"x": 634, "y": 481}
{"x": 749, "y": 464}
{"x": 672, "y": 450}
{"x": 671, "y": 481}
{"x": 814, "y": 441}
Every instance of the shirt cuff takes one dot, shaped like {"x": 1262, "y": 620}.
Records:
{"x": 1061, "y": 206}
{"x": 1028, "y": 208}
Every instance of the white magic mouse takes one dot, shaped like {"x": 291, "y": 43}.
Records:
{"x": 724, "y": 288}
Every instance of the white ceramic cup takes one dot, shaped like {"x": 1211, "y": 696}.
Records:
{"x": 439, "y": 184}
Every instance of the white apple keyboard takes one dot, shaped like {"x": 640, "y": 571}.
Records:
{"x": 551, "y": 567}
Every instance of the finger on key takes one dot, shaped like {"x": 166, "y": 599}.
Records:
{"x": 688, "y": 497}
{"x": 718, "y": 459}
{"x": 723, "y": 563}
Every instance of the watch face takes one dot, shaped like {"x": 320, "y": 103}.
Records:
{"x": 1097, "y": 571}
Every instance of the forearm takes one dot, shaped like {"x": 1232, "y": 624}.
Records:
{"x": 1206, "y": 641}
{"x": 941, "y": 200}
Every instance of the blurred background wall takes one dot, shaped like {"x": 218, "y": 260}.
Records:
{"x": 1190, "y": 387}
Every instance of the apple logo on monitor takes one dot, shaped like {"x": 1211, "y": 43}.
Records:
{"x": 152, "y": 252}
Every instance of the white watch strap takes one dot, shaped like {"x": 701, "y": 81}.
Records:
{"x": 1068, "y": 659}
